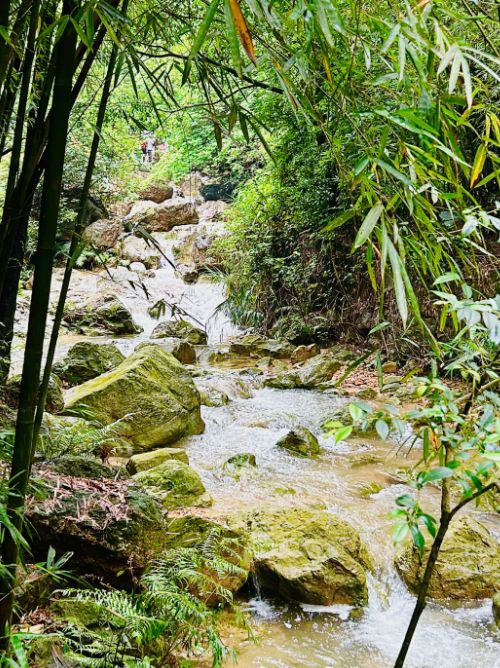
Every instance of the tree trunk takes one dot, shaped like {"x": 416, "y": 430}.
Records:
{"x": 76, "y": 238}
{"x": 49, "y": 211}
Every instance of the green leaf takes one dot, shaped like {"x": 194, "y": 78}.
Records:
{"x": 200, "y": 38}
{"x": 343, "y": 433}
{"x": 438, "y": 473}
{"x": 382, "y": 429}
{"x": 356, "y": 412}
{"x": 368, "y": 224}
{"x": 340, "y": 220}
{"x": 406, "y": 501}
{"x": 399, "y": 532}
{"x": 399, "y": 286}
{"x": 447, "y": 278}
{"x": 379, "y": 327}
{"x": 393, "y": 171}
{"x": 418, "y": 538}
{"x": 430, "y": 523}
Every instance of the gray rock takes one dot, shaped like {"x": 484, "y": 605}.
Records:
{"x": 104, "y": 233}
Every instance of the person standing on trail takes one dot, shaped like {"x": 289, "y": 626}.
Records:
{"x": 144, "y": 151}
{"x": 150, "y": 149}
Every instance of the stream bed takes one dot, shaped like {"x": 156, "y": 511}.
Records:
{"x": 357, "y": 480}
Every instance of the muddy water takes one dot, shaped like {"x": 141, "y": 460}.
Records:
{"x": 315, "y": 637}
{"x": 358, "y": 480}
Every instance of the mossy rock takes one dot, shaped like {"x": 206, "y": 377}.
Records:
{"x": 182, "y": 350}
{"x": 55, "y": 399}
{"x": 241, "y": 459}
{"x": 308, "y": 555}
{"x": 468, "y": 566}
{"x": 180, "y": 329}
{"x": 300, "y": 441}
{"x": 312, "y": 374}
{"x": 86, "y": 360}
{"x": 211, "y": 396}
{"x": 256, "y": 345}
{"x": 152, "y": 395}
{"x": 85, "y": 466}
{"x": 191, "y": 531}
{"x": 175, "y": 484}
{"x": 113, "y": 527}
{"x": 105, "y": 313}
{"x": 148, "y": 460}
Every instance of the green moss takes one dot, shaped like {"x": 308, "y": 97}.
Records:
{"x": 175, "y": 484}
{"x": 152, "y": 395}
{"x": 300, "y": 441}
{"x": 468, "y": 566}
{"x": 308, "y": 555}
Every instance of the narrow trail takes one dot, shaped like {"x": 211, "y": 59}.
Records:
{"x": 339, "y": 479}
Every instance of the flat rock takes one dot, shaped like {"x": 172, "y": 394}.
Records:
{"x": 148, "y": 460}
{"x": 174, "y": 484}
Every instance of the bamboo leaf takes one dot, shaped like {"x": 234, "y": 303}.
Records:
{"x": 368, "y": 224}
{"x": 455, "y": 71}
{"x": 232, "y": 34}
{"x": 399, "y": 286}
{"x": 467, "y": 81}
{"x": 478, "y": 164}
{"x": 243, "y": 31}
{"x": 200, "y": 38}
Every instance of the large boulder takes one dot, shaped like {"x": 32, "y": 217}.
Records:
{"x": 308, "y": 555}
{"x": 256, "y": 345}
{"x": 151, "y": 394}
{"x": 157, "y": 192}
{"x": 468, "y": 566}
{"x": 135, "y": 249}
{"x": 313, "y": 373}
{"x": 191, "y": 531}
{"x": 104, "y": 233}
{"x": 175, "y": 484}
{"x": 174, "y": 212}
{"x": 87, "y": 360}
{"x": 299, "y": 441}
{"x": 114, "y": 529}
{"x": 180, "y": 329}
{"x": 143, "y": 461}
{"x": 105, "y": 313}
{"x": 181, "y": 350}
{"x": 164, "y": 216}
{"x": 55, "y": 399}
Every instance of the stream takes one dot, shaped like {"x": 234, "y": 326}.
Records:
{"x": 449, "y": 635}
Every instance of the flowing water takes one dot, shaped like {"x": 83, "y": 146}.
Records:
{"x": 342, "y": 479}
